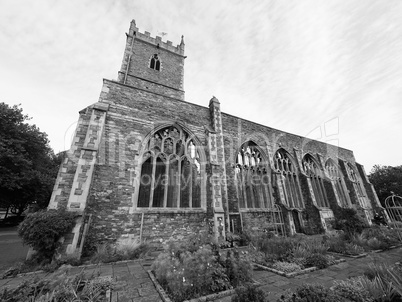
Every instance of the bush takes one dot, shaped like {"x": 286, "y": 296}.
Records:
{"x": 249, "y": 293}
{"x": 353, "y": 249}
{"x": 347, "y": 220}
{"x": 352, "y": 290}
{"x": 317, "y": 260}
{"x": 42, "y": 231}
{"x": 384, "y": 237}
{"x": 382, "y": 280}
{"x": 244, "y": 239}
{"x": 276, "y": 248}
{"x": 237, "y": 270}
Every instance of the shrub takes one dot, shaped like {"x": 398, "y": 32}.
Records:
{"x": 287, "y": 267}
{"x": 276, "y": 248}
{"x": 301, "y": 252}
{"x": 317, "y": 260}
{"x": 125, "y": 249}
{"x": 376, "y": 244}
{"x": 249, "y": 293}
{"x": 385, "y": 238}
{"x": 378, "y": 288}
{"x": 353, "y": 249}
{"x": 244, "y": 239}
{"x": 352, "y": 290}
{"x": 385, "y": 275}
{"x": 238, "y": 270}
{"x": 105, "y": 253}
{"x": 42, "y": 231}
{"x": 347, "y": 220}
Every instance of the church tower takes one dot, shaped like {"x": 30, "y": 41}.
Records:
{"x": 152, "y": 65}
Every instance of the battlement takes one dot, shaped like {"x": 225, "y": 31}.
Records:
{"x": 146, "y": 36}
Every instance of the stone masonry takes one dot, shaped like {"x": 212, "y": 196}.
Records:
{"x": 144, "y": 162}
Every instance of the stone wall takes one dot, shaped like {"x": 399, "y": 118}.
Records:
{"x": 100, "y": 174}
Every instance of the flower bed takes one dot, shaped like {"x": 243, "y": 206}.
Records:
{"x": 290, "y": 256}
{"x": 290, "y": 270}
{"x": 371, "y": 239}
{"x": 212, "y": 297}
{"x": 195, "y": 269}
{"x": 60, "y": 287}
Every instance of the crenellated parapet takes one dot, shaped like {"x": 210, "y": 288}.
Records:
{"x": 157, "y": 41}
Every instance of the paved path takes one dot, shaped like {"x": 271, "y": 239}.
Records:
{"x": 134, "y": 285}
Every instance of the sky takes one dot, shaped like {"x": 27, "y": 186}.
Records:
{"x": 329, "y": 70}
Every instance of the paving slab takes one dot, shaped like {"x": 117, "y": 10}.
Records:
{"x": 133, "y": 282}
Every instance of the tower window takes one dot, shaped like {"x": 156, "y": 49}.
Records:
{"x": 155, "y": 63}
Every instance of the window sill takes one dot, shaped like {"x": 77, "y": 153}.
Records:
{"x": 170, "y": 210}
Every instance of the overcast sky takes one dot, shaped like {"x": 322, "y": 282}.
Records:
{"x": 329, "y": 70}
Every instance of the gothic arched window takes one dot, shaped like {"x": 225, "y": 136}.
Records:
{"x": 155, "y": 62}
{"x": 356, "y": 184}
{"x": 316, "y": 176}
{"x": 337, "y": 179}
{"x": 171, "y": 171}
{"x": 288, "y": 179}
{"x": 253, "y": 182}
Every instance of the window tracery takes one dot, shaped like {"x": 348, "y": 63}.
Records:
{"x": 171, "y": 171}
{"x": 337, "y": 179}
{"x": 288, "y": 179}
{"x": 356, "y": 184}
{"x": 316, "y": 175}
{"x": 253, "y": 182}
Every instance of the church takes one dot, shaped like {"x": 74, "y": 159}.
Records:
{"x": 145, "y": 163}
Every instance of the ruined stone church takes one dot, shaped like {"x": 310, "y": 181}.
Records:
{"x": 146, "y": 163}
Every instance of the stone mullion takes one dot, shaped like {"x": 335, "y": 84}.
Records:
{"x": 190, "y": 181}
{"x": 269, "y": 202}
{"x": 298, "y": 188}
{"x": 345, "y": 190}
{"x": 167, "y": 178}
{"x": 294, "y": 188}
{"x": 250, "y": 186}
{"x": 320, "y": 196}
{"x": 322, "y": 192}
{"x": 151, "y": 194}
{"x": 285, "y": 193}
{"x": 243, "y": 187}
{"x": 335, "y": 186}
{"x": 178, "y": 182}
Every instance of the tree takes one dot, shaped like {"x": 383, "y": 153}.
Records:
{"x": 386, "y": 179}
{"x": 28, "y": 165}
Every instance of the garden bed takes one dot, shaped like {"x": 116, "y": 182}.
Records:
{"x": 212, "y": 297}
{"x": 293, "y": 274}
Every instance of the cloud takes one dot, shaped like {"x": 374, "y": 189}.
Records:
{"x": 291, "y": 65}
